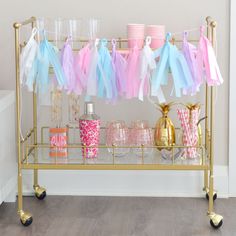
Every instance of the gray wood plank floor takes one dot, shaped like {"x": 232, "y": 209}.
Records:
{"x": 117, "y": 216}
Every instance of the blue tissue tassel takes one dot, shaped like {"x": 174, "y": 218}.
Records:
{"x": 170, "y": 58}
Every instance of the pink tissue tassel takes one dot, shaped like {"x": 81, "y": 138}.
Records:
{"x": 206, "y": 62}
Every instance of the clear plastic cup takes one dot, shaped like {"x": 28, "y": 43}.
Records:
{"x": 73, "y": 30}
{"x": 141, "y": 136}
{"x": 91, "y": 28}
{"x": 117, "y": 135}
{"x": 45, "y": 27}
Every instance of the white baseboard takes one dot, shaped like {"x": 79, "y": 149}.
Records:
{"x": 8, "y": 190}
{"x": 127, "y": 183}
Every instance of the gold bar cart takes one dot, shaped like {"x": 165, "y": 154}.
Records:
{"x": 30, "y": 150}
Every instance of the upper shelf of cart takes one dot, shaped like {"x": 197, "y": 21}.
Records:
{"x": 210, "y": 23}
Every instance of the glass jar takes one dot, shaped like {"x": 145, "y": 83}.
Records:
{"x": 56, "y": 107}
{"x": 117, "y": 135}
{"x": 141, "y": 136}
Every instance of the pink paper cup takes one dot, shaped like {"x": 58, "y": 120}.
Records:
{"x": 135, "y": 43}
{"x": 135, "y": 34}
{"x": 157, "y": 32}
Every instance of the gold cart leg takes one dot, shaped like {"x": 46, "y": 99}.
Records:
{"x": 216, "y": 220}
{"x": 25, "y": 218}
{"x": 207, "y": 136}
{"x": 35, "y": 170}
{"x": 35, "y": 176}
{"x": 210, "y": 192}
{"x": 40, "y": 192}
{"x": 206, "y": 186}
{"x": 206, "y": 173}
{"x": 20, "y": 197}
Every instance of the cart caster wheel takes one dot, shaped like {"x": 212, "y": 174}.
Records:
{"x": 40, "y": 192}
{"x": 214, "y": 196}
{"x": 41, "y": 196}
{"x": 216, "y": 221}
{"x": 216, "y": 226}
{"x": 26, "y": 219}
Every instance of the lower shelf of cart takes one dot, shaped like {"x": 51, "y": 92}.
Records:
{"x": 42, "y": 166}
{"x": 133, "y": 159}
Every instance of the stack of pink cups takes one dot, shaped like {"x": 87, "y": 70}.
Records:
{"x": 157, "y": 33}
{"x": 136, "y": 34}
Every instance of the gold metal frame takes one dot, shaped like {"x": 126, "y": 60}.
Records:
{"x": 25, "y": 148}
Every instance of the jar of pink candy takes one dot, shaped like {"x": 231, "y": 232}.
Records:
{"x": 89, "y": 125}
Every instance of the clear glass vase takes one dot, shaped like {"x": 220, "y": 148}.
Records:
{"x": 74, "y": 108}
{"x": 56, "y": 108}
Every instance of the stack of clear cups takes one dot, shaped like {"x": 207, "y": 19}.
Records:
{"x": 46, "y": 28}
{"x": 59, "y": 29}
{"x": 91, "y": 29}
{"x": 74, "y": 32}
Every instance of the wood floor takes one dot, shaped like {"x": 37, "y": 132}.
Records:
{"x": 117, "y": 216}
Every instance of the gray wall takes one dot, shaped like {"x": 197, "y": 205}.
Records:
{"x": 176, "y": 15}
